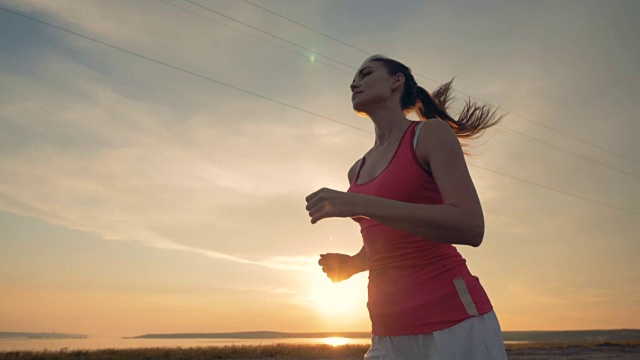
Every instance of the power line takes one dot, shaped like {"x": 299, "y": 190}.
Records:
{"x": 558, "y": 191}
{"x": 323, "y": 34}
{"x": 249, "y": 34}
{"x": 368, "y": 53}
{"x": 193, "y": 13}
{"x": 417, "y": 74}
{"x": 306, "y": 27}
{"x": 568, "y": 151}
{"x": 178, "y": 68}
{"x": 293, "y": 107}
{"x": 480, "y": 100}
{"x": 267, "y": 33}
{"x": 439, "y": 82}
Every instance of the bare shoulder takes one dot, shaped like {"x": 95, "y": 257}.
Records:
{"x": 437, "y": 128}
{"x": 435, "y": 135}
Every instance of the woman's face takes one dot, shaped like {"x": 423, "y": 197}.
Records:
{"x": 371, "y": 85}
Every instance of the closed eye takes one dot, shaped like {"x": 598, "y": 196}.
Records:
{"x": 363, "y": 73}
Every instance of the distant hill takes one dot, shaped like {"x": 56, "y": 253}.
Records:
{"x": 22, "y": 335}
{"x": 532, "y": 336}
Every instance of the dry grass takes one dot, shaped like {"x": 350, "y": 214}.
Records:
{"x": 277, "y": 351}
{"x": 548, "y": 345}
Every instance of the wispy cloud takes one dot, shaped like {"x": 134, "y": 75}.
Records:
{"x": 293, "y": 263}
{"x": 93, "y": 158}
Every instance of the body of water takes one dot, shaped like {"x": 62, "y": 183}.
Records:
{"x": 12, "y": 341}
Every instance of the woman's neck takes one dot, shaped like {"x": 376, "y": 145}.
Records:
{"x": 389, "y": 125}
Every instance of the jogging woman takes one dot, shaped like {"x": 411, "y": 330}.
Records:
{"x": 414, "y": 199}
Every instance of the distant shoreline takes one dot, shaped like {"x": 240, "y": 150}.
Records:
{"x": 40, "y": 335}
{"x": 513, "y": 336}
{"x": 509, "y": 336}
{"x": 255, "y": 335}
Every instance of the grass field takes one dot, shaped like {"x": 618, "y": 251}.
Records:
{"x": 593, "y": 350}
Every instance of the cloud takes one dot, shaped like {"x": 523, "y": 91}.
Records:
{"x": 98, "y": 154}
{"x": 291, "y": 263}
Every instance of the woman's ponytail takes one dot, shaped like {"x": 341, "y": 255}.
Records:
{"x": 472, "y": 121}
{"x": 427, "y": 107}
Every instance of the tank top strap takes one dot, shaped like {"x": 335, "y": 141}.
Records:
{"x": 360, "y": 164}
{"x": 416, "y": 132}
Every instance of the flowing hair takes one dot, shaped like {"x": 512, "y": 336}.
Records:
{"x": 473, "y": 118}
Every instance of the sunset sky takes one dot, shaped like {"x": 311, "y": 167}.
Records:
{"x": 160, "y": 187}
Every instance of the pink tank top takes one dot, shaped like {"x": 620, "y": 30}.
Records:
{"x": 416, "y": 286}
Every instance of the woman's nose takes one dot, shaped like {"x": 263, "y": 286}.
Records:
{"x": 354, "y": 85}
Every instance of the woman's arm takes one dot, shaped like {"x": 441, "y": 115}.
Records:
{"x": 458, "y": 221}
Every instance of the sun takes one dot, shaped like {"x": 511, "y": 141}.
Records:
{"x": 336, "y": 341}
{"x": 336, "y": 298}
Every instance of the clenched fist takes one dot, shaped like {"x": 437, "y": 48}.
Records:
{"x": 338, "y": 267}
{"x": 326, "y": 203}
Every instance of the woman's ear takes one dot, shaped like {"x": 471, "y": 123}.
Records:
{"x": 398, "y": 81}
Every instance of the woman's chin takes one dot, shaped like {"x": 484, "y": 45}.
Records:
{"x": 360, "y": 110}
{"x": 362, "y": 113}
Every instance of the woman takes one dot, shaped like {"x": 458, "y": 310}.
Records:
{"x": 414, "y": 199}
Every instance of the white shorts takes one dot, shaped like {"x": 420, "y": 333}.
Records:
{"x": 477, "y": 338}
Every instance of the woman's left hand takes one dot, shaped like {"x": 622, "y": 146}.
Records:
{"x": 326, "y": 203}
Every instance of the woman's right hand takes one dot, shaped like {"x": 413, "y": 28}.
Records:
{"x": 338, "y": 267}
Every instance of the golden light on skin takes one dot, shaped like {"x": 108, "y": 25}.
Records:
{"x": 336, "y": 341}
{"x": 335, "y": 298}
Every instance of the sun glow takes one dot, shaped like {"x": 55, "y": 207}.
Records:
{"x": 336, "y": 341}
{"x": 336, "y": 298}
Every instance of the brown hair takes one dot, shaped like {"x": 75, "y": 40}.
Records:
{"x": 473, "y": 118}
